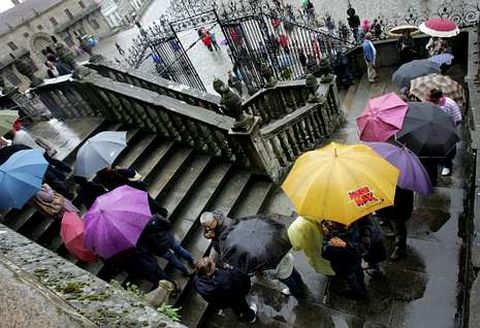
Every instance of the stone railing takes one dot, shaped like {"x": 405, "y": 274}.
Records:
{"x": 274, "y": 103}
{"x": 155, "y": 83}
{"x": 305, "y": 128}
{"x": 91, "y": 94}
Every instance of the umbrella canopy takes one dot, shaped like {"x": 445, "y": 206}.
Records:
{"x": 399, "y": 30}
{"x": 254, "y": 243}
{"x": 7, "y": 118}
{"x": 439, "y": 27}
{"x": 428, "y": 131}
{"x": 116, "y": 220}
{"x": 413, "y": 175}
{"x": 72, "y": 233}
{"x": 413, "y": 69}
{"x": 381, "y": 118}
{"x": 441, "y": 59}
{"x": 21, "y": 177}
{"x": 99, "y": 152}
{"x": 421, "y": 87}
{"x": 7, "y": 152}
{"x": 341, "y": 182}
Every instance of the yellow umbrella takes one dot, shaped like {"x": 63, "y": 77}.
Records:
{"x": 341, "y": 183}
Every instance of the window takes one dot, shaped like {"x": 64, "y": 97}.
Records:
{"x": 12, "y": 78}
{"x": 53, "y": 21}
{"x": 94, "y": 23}
{"x": 81, "y": 4}
{"x": 12, "y": 45}
{"x": 26, "y": 35}
{"x": 40, "y": 27}
{"x": 69, "y": 14}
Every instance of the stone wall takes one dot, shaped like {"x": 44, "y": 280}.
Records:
{"x": 40, "y": 289}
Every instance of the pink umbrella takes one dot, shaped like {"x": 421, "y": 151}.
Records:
{"x": 381, "y": 118}
{"x": 72, "y": 233}
{"x": 440, "y": 27}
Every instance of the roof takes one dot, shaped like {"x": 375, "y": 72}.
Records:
{"x": 24, "y": 12}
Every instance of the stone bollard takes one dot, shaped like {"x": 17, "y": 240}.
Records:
{"x": 161, "y": 294}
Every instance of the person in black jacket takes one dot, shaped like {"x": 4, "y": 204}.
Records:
{"x": 158, "y": 238}
{"x": 353, "y": 22}
{"x": 224, "y": 288}
{"x": 372, "y": 238}
{"x": 88, "y": 191}
{"x": 214, "y": 224}
{"x": 397, "y": 216}
{"x": 344, "y": 249}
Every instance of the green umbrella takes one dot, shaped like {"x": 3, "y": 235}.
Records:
{"x": 7, "y": 118}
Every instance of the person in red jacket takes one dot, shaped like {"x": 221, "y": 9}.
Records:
{"x": 207, "y": 41}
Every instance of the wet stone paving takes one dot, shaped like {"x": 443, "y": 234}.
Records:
{"x": 418, "y": 291}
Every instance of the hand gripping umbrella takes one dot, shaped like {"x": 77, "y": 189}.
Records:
{"x": 428, "y": 131}
{"x": 413, "y": 175}
{"x": 413, "y": 69}
{"x": 116, "y": 220}
{"x": 382, "y": 118}
{"x": 99, "y": 152}
{"x": 254, "y": 243}
{"x": 21, "y": 177}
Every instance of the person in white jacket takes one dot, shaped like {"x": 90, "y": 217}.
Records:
{"x": 289, "y": 276}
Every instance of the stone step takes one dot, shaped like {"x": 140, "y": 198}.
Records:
{"x": 255, "y": 198}
{"x": 18, "y": 219}
{"x": 185, "y": 185}
{"x": 170, "y": 171}
{"x": 135, "y": 150}
{"x": 232, "y": 193}
{"x": 155, "y": 160}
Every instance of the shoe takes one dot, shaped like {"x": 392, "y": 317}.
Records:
{"x": 253, "y": 307}
{"x": 286, "y": 291}
{"x": 446, "y": 171}
{"x": 397, "y": 254}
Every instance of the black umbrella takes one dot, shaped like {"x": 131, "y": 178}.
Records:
{"x": 254, "y": 243}
{"x": 413, "y": 69}
{"x": 428, "y": 131}
{"x": 8, "y": 151}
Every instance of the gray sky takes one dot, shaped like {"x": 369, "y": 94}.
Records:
{"x": 5, "y": 4}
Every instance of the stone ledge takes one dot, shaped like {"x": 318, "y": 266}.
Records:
{"x": 91, "y": 299}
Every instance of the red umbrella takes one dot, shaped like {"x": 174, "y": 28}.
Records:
{"x": 72, "y": 233}
{"x": 440, "y": 27}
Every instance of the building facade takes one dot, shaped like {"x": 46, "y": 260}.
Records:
{"x": 123, "y": 12}
{"x": 28, "y": 27}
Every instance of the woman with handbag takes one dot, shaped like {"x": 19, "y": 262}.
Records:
{"x": 51, "y": 203}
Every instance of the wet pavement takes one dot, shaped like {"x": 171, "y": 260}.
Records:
{"x": 418, "y": 291}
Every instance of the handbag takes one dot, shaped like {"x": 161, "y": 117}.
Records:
{"x": 55, "y": 208}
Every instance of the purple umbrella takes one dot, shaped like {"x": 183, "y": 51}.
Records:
{"x": 116, "y": 220}
{"x": 413, "y": 175}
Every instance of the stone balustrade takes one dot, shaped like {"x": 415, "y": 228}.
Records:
{"x": 295, "y": 125}
{"x": 155, "y": 83}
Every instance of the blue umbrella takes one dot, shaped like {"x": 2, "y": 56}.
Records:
{"x": 21, "y": 178}
{"x": 98, "y": 152}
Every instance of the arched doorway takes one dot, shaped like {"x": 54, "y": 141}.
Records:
{"x": 41, "y": 44}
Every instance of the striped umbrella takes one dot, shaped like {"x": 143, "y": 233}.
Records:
{"x": 421, "y": 87}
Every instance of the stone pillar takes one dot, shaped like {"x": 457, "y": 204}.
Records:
{"x": 257, "y": 151}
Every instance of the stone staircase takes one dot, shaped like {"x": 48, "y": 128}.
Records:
{"x": 182, "y": 180}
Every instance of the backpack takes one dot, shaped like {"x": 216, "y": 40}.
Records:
{"x": 55, "y": 208}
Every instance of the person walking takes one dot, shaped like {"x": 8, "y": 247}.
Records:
{"x": 449, "y": 106}
{"x": 207, "y": 41}
{"x": 213, "y": 38}
{"x": 372, "y": 238}
{"x": 406, "y": 47}
{"x": 120, "y": 49}
{"x": 214, "y": 224}
{"x": 158, "y": 238}
{"x": 88, "y": 191}
{"x": 353, "y": 22}
{"x": 61, "y": 67}
{"x": 370, "y": 54}
{"x": 434, "y": 46}
{"x": 397, "y": 216}
{"x": 51, "y": 203}
{"x": 224, "y": 287}
{"x": 235, "y": 83}
{"x": 289, "y": 276}
{"x": 342, "y": 246}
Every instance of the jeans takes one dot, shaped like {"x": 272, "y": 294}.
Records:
{"x": 294, "y": 283}
{"x": 178, "y": 251}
